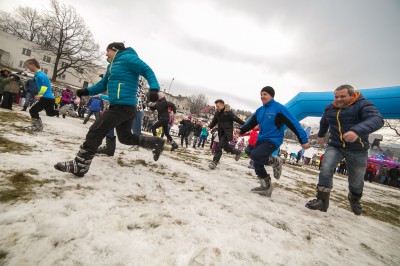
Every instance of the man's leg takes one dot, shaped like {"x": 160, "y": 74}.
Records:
{"x": 34, "y": 112}
{"x": 137, "y": 123}
{"x": 28, "y": 97}
{"x": 260, "y": 156}
{"x": 155, "y": 126}
{"x": 325, "y": 183}
{"x": 49, "y": 107}
{"x": 87, "y": 117}
{"x": 230, "y": 149}
{"x": 356, "y": 162}
{"x": 80, "y": 165}
{"x": 218, "y": 152}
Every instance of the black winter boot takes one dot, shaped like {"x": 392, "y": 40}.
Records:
{"x": 321, "y": 203}
{"x": 78, "y": 166}
{"x": 109, "y": 148}
{"x": 238, "y": 155}
{"x": 266, "y": 187}
{"x": 174, "y": 146}
{"x": 154, "y": 143}
{"x": 355, "y": 204}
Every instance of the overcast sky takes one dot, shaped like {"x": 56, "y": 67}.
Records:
{"x": 230, "y": 49}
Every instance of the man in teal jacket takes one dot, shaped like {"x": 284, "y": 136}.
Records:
{"x": 121, "y": 83}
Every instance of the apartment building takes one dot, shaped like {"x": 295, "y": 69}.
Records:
{"x": 15, "y": 51}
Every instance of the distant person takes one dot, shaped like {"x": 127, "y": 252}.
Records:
{"x": 162, "y": 106}
{"x": 4, "y": 73}
{"x": 31, "y": 91}
{"x": 350, "y": 119}
{"x": 12, "y": 87}
{"x": 95, "y": 105}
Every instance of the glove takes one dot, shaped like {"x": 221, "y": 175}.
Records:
{"x": 153, "y": 95}
{"x": 81, "y": 93}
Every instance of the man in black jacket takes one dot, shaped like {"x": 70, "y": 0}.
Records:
{"x": 224, "y": 117}
{"x": 350, "y": 119}
{"x": 162, "y": 106}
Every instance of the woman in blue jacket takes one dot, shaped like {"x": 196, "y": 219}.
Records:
{"x": 121, "y": 83}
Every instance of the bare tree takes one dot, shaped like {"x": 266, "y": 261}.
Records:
{"x": 65, "y": 35}
{"x": 24, "y": 23}
{"x": 391, "y": 125}
{"x": 197, "y": 102}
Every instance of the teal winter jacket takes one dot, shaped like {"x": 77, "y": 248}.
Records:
{"x": 122, "y": 77}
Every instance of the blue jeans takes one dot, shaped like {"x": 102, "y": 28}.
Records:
{"x": 29, "y": 98}
{"x": 356, "y": 162}
{"x": 260, "y": 156}
{"x": 202, "y": 141}
{"x": 96, "y": 115}
{"x": 137, "y": 124}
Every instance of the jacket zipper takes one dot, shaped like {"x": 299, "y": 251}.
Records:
{"x": 340, "y": 129}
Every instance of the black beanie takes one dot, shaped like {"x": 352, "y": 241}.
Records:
{"x": 269, "y": 90}
{"x": 116, "y": 46}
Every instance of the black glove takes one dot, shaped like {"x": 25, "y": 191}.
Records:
{"x": 81, "y": 93}
{"x": 153, "y": 95}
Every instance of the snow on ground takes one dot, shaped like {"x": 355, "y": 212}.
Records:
{"x": 130, "y": 210}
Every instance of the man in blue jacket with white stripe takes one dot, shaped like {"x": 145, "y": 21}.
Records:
{"x": 271, "y": 118}
{"x": 121, "y": 83}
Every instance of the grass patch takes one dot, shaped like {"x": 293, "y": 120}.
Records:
{"x": 12, "y": 146}
{"x": 3, "y": 254}
{"x": 11, "y": 117}
{"x": 20, "y": 185}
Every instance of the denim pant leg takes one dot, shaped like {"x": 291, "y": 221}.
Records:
{"x": 260, "y": 155}
{"x": 137, "y": 124}
{"x": 96, "y": 115}
{"x": 88, "y": 116}
{"x": 356, "y": 164}
{"x": 331, "y": 158}
{"x": 28, "y": 98}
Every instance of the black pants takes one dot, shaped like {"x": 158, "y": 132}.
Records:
{"x": 119, "y": 117}
{"x": 44, "y": 103}
{"x": 223, "y": 144}
{"x": 8, "y": 99}
{"x": 185, "y": 136}
{"x": 163, "y": 122}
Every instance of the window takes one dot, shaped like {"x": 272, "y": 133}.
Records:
{"x": 47, "y": 59}
{"x": 63, "y": 64}
{"x": 80, "y": 70}
{"x": 44, "y": 70}
{"x": 62, "y": 76}
{"x": 21, "y": 63}
{"x": 26, "y": 51}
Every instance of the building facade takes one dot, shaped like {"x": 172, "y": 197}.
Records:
{"x": 15, "y": 51}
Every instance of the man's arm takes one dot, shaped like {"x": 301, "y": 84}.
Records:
{"x": 250, "y": 124}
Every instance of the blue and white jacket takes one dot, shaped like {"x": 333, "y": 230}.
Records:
{"x": 272, "y": 118}
{"x": 122, "y": 77}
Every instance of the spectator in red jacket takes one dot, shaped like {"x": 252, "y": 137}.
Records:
{"x": 251, "y": 143}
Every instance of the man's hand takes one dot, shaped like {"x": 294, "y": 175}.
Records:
{"x": 153, "y": 95}
{"x": 321, "y": 141}
{"x": 350, "y": 136}
{"x": 81, "y": 93}
{"x": 306, "y": 145}
{"x": 37, "y": 97}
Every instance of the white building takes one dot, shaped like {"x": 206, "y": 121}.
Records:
{"x": 15, "y": 51}
{"x": 182, "y": 104}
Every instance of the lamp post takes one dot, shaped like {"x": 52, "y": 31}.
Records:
{"x": 170, "y": 84}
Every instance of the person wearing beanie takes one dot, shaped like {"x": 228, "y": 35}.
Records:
{"x": 224, "y": 118}
{"x": 271, "y": 118}
{"x": 163, "y": 106}
{"x": 121, "y": 83}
